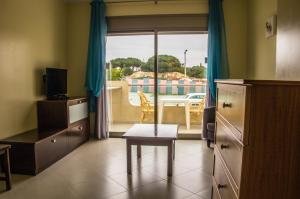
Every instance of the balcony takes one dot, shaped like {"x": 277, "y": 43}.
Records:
{"x": 125, "y": 105}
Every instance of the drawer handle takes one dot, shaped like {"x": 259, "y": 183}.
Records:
{"x": 53, "y": 141}
{"x": 227, "y": 105}
{"x": 220, "y": 186}
{"x": 224, "y": 146}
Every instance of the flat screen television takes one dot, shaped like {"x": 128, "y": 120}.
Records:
{"x": 56, "y": 83}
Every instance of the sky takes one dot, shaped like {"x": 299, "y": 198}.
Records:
{"x": 142, "y": 47}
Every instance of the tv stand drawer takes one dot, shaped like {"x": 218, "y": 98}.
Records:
{"x": 50, "y": 150}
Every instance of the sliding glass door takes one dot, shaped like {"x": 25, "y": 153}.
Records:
{"x": 130, "y": 83}
{"x": 181, "y": 80}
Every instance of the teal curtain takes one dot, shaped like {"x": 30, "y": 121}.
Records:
{"x": 95, "y": 72}
{"x": 217, "y": 49}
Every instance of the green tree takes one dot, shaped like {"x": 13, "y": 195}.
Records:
{"x": 115, "y": 74}
{"x": 126, "y": 62}
{"x": 166, "y": 63}
{"x": 127, "y": 71}
{"x": 196, "y": 72}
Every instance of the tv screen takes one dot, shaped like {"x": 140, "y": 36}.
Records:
{"x": 56, "y": 82}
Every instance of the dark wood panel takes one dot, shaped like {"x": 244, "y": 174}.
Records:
{"x": 272, "y": 162}
{"x": 52, "y": 114}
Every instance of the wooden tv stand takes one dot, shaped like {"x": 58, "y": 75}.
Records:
{"x": 63, "y": 125}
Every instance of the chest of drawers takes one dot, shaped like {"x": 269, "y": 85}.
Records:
{"x": 257, "y": 139}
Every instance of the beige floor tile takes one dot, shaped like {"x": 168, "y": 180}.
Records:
{"x": 203, "y": 161}
{"x": 97, "y": 170}
{"x": 205, "y": 194}
{"x": 97, "y": 188}
{"x": 194, "y": 197}
{"x": 137, "y": 179}
{"x": 157, "y": 190}
{"x": 194, "y": 181}
{"x": 161, "y": 170}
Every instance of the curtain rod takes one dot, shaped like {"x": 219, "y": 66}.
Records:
{"x": 142, "y": 1}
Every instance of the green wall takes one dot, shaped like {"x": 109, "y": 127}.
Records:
{"x": 32, "y": 36}
{"x": 261, "y": 51}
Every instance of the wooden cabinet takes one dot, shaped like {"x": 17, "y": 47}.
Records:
{"x": 54, "y": 114}
{"x": 257, "y": 139}
{"x": 63, "y": 126}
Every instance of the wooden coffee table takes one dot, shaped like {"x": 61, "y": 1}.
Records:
{"x": 143, "y": 134}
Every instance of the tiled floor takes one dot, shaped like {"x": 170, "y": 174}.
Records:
{"x": 98, "y": 170}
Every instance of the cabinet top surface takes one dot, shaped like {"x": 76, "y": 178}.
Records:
{"x": 257, "y": 82}
{"x": 32, "y": 136}
{"x": 4, "y": 147}
{"x": 69, "y": 99}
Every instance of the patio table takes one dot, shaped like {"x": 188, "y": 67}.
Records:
{"x": 185, "y": 101}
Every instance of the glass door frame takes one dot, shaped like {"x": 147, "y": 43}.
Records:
{"x": 155, "y": 33}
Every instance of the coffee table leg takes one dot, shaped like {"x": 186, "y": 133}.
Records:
{"x": 139, "y": 151}
{"x": 170, "y": 158}
{"x": 7, "y": 170}
{"x": 128, "y": 157}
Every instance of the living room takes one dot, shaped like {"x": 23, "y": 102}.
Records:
{"x": 251, "y": 80}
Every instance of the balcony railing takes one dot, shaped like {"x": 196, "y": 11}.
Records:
{"x": 125, "y": 103}
{"x": 167, "y": 87}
